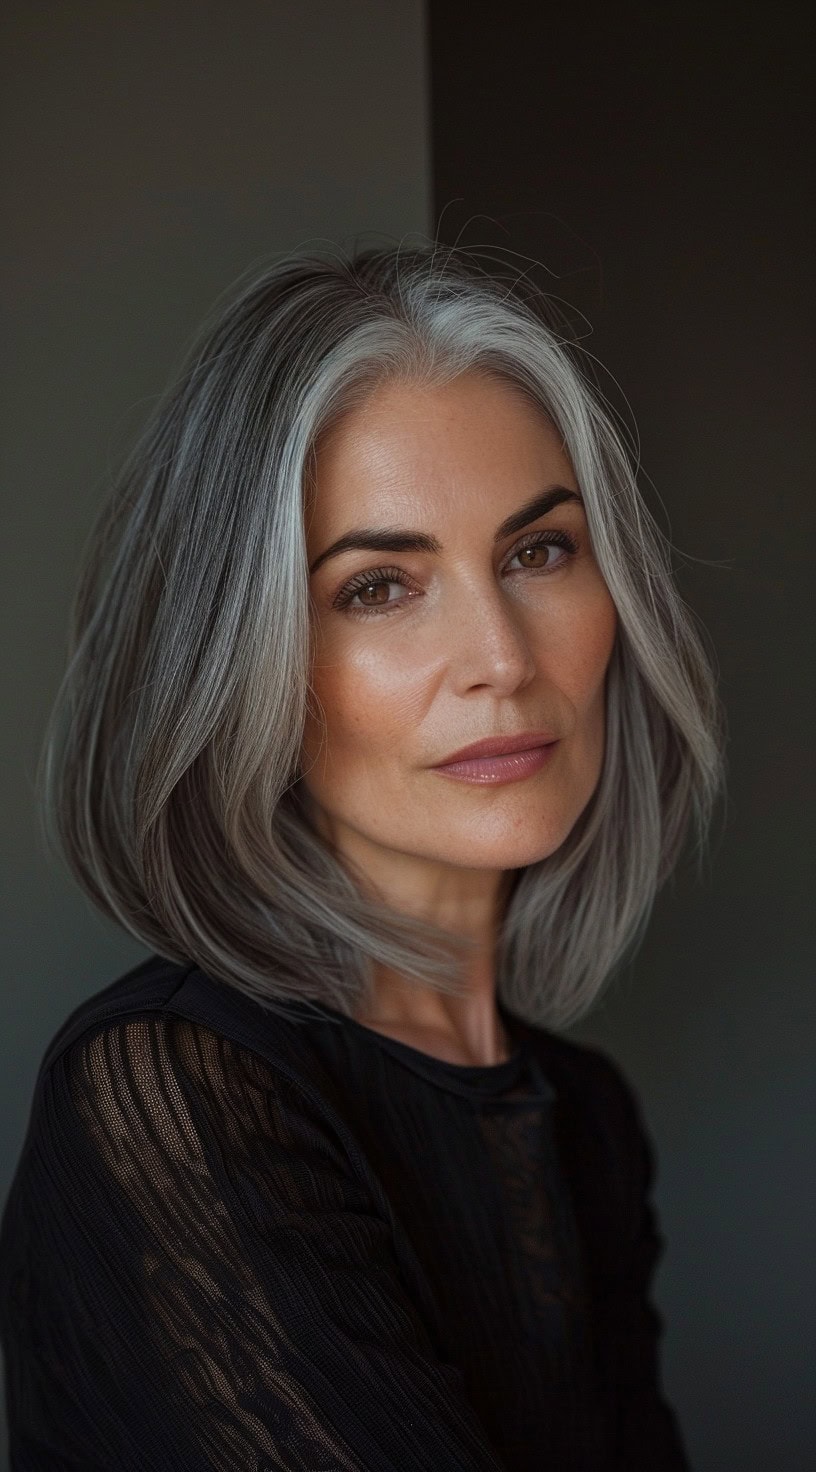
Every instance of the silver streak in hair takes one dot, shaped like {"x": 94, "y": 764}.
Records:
{"x": 169, "y": 774}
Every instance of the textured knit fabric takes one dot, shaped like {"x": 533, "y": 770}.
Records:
{"x": 238, "y": 1239}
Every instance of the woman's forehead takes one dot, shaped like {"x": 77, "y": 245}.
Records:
{"x": 409, "y": 446}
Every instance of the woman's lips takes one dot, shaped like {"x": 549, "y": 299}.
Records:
{"x": 491, "y": 770}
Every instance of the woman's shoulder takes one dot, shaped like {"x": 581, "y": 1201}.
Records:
{"x": 173, "y": 992}
{"x": 144, "y": 988}
{"x": 165, "y": 1058}
{"x": 582, "y": 1072}
{"x": 170, "y": 1023}
{"x": 599, "y": 1112}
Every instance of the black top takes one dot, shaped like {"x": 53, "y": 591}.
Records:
{"x": 242, "y": 1240}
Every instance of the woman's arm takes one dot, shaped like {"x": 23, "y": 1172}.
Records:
{"x": 195, "y": 1279}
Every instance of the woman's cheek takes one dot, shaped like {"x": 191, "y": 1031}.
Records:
{"x": 586, "y": 637}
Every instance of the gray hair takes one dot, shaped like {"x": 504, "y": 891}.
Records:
{"x": 170, "y": 772}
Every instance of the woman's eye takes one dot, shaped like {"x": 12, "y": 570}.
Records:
{"x": 536, "y": 557}
{"x": 369, "y": 592}
{"x": 374, "y": 594}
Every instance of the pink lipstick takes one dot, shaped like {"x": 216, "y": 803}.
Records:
{"x": 500, "y": 759}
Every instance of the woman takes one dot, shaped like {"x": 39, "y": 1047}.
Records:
{"x": 382, "y": 726}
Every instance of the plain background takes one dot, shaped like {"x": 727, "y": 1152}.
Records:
{"x": 652, "y": 161}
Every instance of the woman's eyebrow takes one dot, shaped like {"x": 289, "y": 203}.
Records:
{"x": 400, "y": 539}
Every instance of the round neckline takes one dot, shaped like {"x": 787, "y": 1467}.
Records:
{"x": 481, "y": 1077}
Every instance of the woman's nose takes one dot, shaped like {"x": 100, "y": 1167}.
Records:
{"x": 490, "y": 646}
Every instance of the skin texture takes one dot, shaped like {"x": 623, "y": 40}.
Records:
{"x": 478, "y": 641}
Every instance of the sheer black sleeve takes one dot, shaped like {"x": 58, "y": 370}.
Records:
{"x": 206, "y": 1283}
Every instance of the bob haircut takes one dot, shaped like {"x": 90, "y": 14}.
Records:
{"x": 170, "y": 771}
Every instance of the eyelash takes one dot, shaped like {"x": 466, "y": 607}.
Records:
{"x": 396, "y": 575}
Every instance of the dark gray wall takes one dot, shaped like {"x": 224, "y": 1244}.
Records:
{"x": 656, "y": 160}
{"x": 152, "y": 153}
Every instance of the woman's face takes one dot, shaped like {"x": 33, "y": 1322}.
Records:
{"x": 483, "y": 630}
